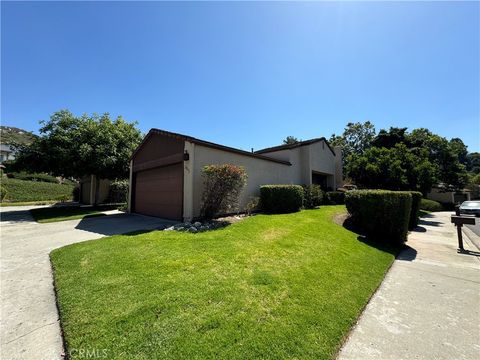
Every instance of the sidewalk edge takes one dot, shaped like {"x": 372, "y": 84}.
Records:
{"x": 472, "y": 237}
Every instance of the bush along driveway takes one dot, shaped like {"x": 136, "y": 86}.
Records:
{"x": 270, "y": 286}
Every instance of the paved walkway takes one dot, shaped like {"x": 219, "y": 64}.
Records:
{"x": 29, "y": 319}
{"x": 428, "y": 306}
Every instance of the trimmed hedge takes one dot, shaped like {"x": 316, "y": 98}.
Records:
{"x": 430, "y": 205}
{"x": 312, "y": 196}
{"x": 416, "y": 199}
{"x": 22, "y": 190}
{"x": 335, "y": 197}
{"x": 380, "y": 214}
{"x": 277, "y": 199}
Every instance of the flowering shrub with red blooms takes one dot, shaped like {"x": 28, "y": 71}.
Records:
{"x": 222, "y": 187}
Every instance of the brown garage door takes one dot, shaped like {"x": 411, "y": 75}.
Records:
{"x": 159, "y": 192}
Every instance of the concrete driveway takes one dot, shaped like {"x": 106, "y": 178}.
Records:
{"x": 29, "y": 319}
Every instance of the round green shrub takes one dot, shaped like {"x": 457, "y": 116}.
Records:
{"x": 380, "y": 214}
{"x": 416, "y": 199}
{"x": 430, "y": 205}
{"x": 278, "y": 199}
{"x": 312, "y": 196}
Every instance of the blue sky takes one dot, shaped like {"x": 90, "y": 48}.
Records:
{"x": 246, "y": 74}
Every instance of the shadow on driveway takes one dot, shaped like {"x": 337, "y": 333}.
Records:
{"x": 16, "y": 216}
{"x": 407, "y": 254}
{"x": 122, "y": 224}
{"x": 422, "y": 221}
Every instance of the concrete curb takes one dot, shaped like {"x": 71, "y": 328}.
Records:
{"x": 472, "y": 237}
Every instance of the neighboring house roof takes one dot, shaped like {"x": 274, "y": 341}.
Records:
{"x": 5, "y": 147}
{"x": 294, "y": 145}
{"x": 208, "y": 144}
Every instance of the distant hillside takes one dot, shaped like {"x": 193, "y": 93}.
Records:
{"x": 13, "y": 135}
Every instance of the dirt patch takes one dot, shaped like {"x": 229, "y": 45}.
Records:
{"x": 232, "y": 219}
{"x": 340, "y": 219}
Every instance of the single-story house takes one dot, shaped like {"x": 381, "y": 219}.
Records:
{"x": 166, "y": 171}
{"x": 6, "y": 153}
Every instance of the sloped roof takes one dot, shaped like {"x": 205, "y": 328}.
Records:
{"x": 294, "y": 145}
{"x": 208, "y": 144}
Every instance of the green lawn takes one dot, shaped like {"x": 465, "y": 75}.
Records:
{"x": 423, "y": 213}
{"x": 62, "y": 213}
{"x": 270, "y": 287}
{"x": 23, "y": 190}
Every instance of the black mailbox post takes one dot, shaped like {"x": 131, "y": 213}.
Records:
{"x": 459, "y": 221}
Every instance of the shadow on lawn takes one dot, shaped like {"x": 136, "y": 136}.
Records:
{"x": 397, "y": 250}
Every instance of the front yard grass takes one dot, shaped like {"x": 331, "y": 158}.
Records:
{"x": 270, "y": 287}
{"x": 63, "y": 213}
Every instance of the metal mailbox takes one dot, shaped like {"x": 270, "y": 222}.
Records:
{"x": 459, "y": 221}
{"x": 463, "y": 220}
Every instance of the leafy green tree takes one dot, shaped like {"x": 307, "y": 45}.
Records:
{"x": 474, "y": 185}
{"x": 459, "y": 149}
{"x": 417, "y": 160}
{"x": 72, "y": 146}
{"x": 356, "y": 138}
{"x": 390, "y": 138}
{"x": 445, "y": 155}
{"x": 396, "y": 168}
{"x": 289, "y": 140}
{"x": 473, "y": 162}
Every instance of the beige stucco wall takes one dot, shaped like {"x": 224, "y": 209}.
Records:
{"x": 443, "y": 197}
{"x": 448, "y": 197}
{"x": 260, "y": 172}
{"x": 304, "y": 160}
{"x": 321, "y": 158}
{"x": 89, "y": 190}
{"x": 103, "y": 190}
